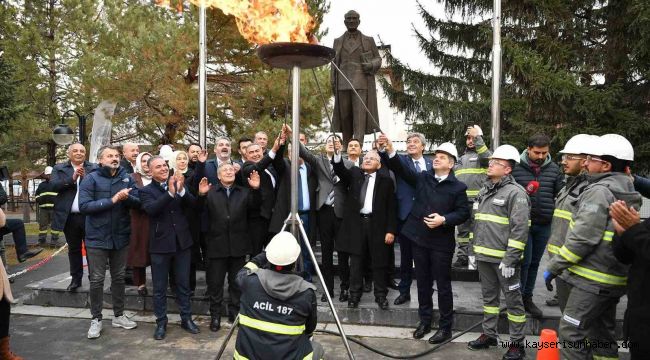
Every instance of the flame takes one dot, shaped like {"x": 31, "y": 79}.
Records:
{"x": 263, "y": 21}
{"x": 268, "y": 21}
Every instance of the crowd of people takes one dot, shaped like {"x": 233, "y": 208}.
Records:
{"x": 496, "y": 212}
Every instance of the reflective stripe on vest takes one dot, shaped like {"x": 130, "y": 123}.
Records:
{"x": 516, "y": 244}
{"x": 46, "y": 206}
{"x": 489, "y": 252}
{"x": 598, "y": 276}
{"x": 492, "y": 218}
{"x": 491, "y": 309}
{"x": 251, "y": 266}
{"x": 608, "y": 235}
{"x": 517, "y": 318}
{"x": 472, "y": 193}
{"x": 601, "y": 357}
{"x": 470, "y": 171}
{"x": 553, "y": 249}
{"x": 482, "y": 149}
{"x": 568, "y": 255}
{"x": 271, "y": 327}
{"x": 238, "y": 356}
{"x": 563, "y": 214}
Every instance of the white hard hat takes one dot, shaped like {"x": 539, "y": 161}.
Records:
{"x": 448, "y": 148}
{"x": 480, "y": 131}
{"x": 48, "y": 170}
{"x": 506, "y": 152}
{"x": 591, "y": 145}
{"x": 283, "y": 249}
{"x": 166, "y": 152}
{"x": 577, "y": 144}
{"x": 616, "y": 146}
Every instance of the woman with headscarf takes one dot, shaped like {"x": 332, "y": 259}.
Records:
{"x": 138, "y": 257}
{"x": 179, "y": 163}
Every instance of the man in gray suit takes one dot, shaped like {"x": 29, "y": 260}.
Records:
{"x": 329, "y": 206}
{"x": 358, "y": 58}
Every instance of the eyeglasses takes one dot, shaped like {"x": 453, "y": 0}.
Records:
{"x": 496, "y": 162}
{"x": 571, "y": 157}
{"x": 593, "y": 158}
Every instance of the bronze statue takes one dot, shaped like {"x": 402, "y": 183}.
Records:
{"x": 358, "y": 58}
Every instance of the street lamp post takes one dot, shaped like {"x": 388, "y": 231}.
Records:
{"x": 64, "y": 135}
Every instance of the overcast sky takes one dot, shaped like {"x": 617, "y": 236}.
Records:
{"x": 390, "y": 20}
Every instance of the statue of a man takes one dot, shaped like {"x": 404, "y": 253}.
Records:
{"x": 358, "y": 58}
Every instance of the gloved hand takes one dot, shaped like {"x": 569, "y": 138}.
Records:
{"x": 479, "y": 130}
{"x": 548, "y": 277}
{"x": 506, "y": 270}
{"x": 471, "y": 262}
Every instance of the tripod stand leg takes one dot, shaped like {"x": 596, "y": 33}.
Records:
{"x": 227, "y": 339}
{"x": 305, "y": 239}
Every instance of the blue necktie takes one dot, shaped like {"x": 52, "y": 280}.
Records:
{"x": 164, "y": 186}
{"x": 418, "y": 169}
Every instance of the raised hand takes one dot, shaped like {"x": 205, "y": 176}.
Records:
{"x": 203, "y": 156}
{"x": 180, "y": 182}
{"x": 389, "y": 238}
{"x": 80, "y": 172}
{"x": 276, "y": 143}
{"x": 204, "y": 186}
{"x": 121, "y": 195}
{"x": 236, "y": 166}
{"x": 254, "y": 180}
{"x": 171, "y": 185}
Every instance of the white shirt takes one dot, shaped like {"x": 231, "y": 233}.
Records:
{"x": 370, "y": 190}
{"x": 75, "y": 202}
{"x": 304, "y": 187}
{"x": 441, "y": 178}
{"x": 423, "y": 164}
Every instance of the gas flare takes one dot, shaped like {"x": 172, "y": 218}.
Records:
{"x": 265, "y": 21}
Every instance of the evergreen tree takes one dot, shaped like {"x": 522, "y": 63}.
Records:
{"x": 568, "y": 67}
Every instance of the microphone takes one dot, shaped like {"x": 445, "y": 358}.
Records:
{"x": 532, "y": 187}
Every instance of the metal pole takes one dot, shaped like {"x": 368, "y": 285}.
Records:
{"x": 202, "y": 76}
{"x": 295, "y": 143}
{"x": 496, "y": 74}
{"x": 82, "y": 129}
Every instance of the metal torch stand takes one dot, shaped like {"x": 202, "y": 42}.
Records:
{"x": 293, "y": 220}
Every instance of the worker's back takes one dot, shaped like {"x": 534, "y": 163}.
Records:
{"x": 277, "y": 314}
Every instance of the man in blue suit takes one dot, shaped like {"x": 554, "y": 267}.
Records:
{"x": 440, "y": 203}
{"x": 414, "y": 161}
{"x": 165, "y": 200}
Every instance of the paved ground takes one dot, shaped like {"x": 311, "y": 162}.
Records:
{"x": 39, "y": 337}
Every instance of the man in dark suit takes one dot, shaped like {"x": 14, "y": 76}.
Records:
{"x": 66, "y": 178}
{"x": 329, "y": 205}
{"x": 130, "y": 153}
{"x": 307, "y": 185}
{"x": 440, "y": 203}
{"x": 166, "y": 200}
{"x": 257, "y": 161}
{"x": 413, "y": 161}
{"x": 228, "y": 238}
{"x": 369, "y": 222}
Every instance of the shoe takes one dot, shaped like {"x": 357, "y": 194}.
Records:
{"x": 553, "y": 301}
{"x": 215, "y": 323}
{"x": 421, "y": 330}
{"x": 29, "y": 254}
{"x": 483, "y": 342}
{"x": 461, "y": 263}
{"x": 142, "y": 290}
{"x": 392, "y": 284}
{"x": 323, "y": 298}
{"x": 161, "y": 330}
{"x": 515, "y": 352}
{"x": 344, "y": 296}
{"x": 42, "y": 242}
{"x": 5, "y": 351}
{"x": 54, "y": 244}
{"x": 74, "y": 285}
{"x": 353, "y": 304}
{"x": 231, "y": 318}
{"x": 531, "y": 308}
{"x": 124, "y": 322}
{"x": 382, "y": 302}
{"x": 189, "y": 326}
{"x": 367, "y": 286}
{"x": 402, "y": 298}
{"x": 95, "y": 329}
{"x": 440, "y": 336}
